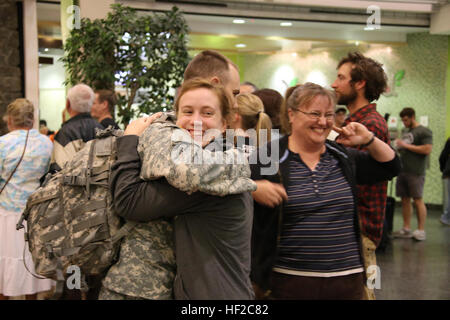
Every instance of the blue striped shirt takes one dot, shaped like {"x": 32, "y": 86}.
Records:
{"x": 318, "y": 236}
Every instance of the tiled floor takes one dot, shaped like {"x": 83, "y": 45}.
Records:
{"x": 412, "y": 270}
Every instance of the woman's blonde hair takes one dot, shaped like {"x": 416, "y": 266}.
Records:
{"x": 217, "y": 89}
{"x": 302, "y": 95}
{"x": 251, "y": 110}
{"x": 21, "y": 113}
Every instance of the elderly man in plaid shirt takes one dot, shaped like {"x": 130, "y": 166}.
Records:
{"x": 360, "y": 81}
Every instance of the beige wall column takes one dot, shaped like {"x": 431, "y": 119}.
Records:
{"x": 31, "y": 63}
{"x": 70, "y": 18}
{"x": 95, "y": 9}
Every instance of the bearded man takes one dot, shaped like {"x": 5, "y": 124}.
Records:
{"x": 360, "y": 81}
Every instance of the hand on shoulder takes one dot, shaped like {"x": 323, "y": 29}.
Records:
{"x": 138, "y": 126}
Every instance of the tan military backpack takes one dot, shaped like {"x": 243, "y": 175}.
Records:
{"x": 71, "y": 219}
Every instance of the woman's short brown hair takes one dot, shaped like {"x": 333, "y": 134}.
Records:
{"x": 21, "y": 113}
{"x": 219, "y": 91}
{"x": 303, "y": 95}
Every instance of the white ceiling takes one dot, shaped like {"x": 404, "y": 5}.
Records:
{"x": 426, "y": 6}
{"x": 213, "y": 27}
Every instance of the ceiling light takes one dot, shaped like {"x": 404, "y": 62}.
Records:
{"x": 46, "y": 49}
{"x": 286, "y": 24}
{"x": 229, "y": 36}
{"x": 275, "y": 38}
{"x": 241, "y": 45}
{"x": 239, "y": 21}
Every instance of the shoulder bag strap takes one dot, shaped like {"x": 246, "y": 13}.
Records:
{"x": 12, "y": 173}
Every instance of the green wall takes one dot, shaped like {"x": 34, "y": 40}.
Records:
{"x": 448, "y": 91}
{"x": 424, "y": 60}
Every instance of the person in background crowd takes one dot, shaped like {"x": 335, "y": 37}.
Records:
{"x": 339, "y": 118}
{"x": 360, "y": 81}
{"x": 43, "y": 129}
{"x": 272, "y": 101}
{"x": 76, "y": 131}
{"x": 103, "y": 108}
{"x": 444, "y": 165}
{"x": 250, "y": 115}
{"x": 24, "y": 159}
{"x": 306, "y": 235}
{"x": 414, "y": 147}
{"x": 247, "y": 87}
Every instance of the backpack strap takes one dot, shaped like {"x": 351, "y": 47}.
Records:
{"x": 89, "y": 169}
{"x": 60, "y": 281}
{"x": 104, "y": 147}
{"x": 82, "y": 181}
{"x": 91, "y": 206}
{"x": 126, "y": 228}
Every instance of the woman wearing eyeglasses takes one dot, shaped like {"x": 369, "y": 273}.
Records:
{"x": 306, "y": 241}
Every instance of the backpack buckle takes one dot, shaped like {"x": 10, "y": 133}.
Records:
{"x": 74, "y": 181}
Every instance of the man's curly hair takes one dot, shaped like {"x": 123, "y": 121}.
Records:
{"x": 369, "y": 70}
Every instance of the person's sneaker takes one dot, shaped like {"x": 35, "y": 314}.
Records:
{"x": 445, "y": 219}
{"x": 402, "y": 233}
{"x": 419, "y": 235}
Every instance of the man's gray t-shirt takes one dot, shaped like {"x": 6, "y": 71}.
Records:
{"x": 413, "y": 162}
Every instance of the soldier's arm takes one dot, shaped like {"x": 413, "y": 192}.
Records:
{"x": 139, "y": 200}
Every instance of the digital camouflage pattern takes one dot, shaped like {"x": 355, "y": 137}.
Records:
{"x": 146, "y": 267}
{"x": 169, "y": 151}
{"x": 43, "y": 205}
{"x": 70, "y": 219}
{"x": 106, "y": 294}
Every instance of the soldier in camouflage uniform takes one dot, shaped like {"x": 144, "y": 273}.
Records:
{"x": 146, "y": 267}
{"x": 169, "y": 151}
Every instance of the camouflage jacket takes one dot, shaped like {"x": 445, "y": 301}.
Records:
{"x": 146, "y": 267}
{"x": 169, "y": 151}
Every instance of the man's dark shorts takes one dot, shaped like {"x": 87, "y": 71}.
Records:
{"x": 410, "y": 185}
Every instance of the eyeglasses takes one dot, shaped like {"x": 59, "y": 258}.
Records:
{"x": 317, "y": 115}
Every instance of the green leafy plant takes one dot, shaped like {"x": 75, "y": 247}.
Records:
{"x": 144, "y": 54}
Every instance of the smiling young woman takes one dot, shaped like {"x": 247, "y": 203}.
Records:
{"x": 203, "y": 109}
